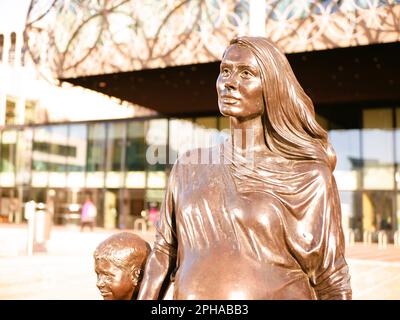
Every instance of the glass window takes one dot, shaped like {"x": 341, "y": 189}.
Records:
{"x": 134, "y": 204}
{"x": 224, "y": 127}
{"x": 378, "y": 210}
{"x": 115, "y": 140}
{"x": 397, "y": 216}
{"x": 76, "y": 159}
{"x": 96, "y": 147}
{"x": 115, "y": 148}
{"x": 397, "y": 147}
{"x": 96, "y": 155}
{"x": 377, "y": 149}
{"x": 156, "y": 139}
{"x": 41, "y": 156}
{"x": 156, "y": 152}
{"x": 11, "y": 110}
{"x": 136, "y": 147}
{"x": 181, "y": 137}
{"x": 224, "y": 123}
{"x": 8, "y": 151}
{"x": 30, "y": 111}
{"x": 135, "y": 161}
{"x": 59, "y": 150}
{"x": 24, "y": 156}
{"x": 351, "y": 213}
{"x": 8, "y": 158}
{"x": 348, "y": 152}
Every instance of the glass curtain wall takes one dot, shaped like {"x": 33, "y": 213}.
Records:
{"x": 95, "y": 172}
{"x": 115, "y": 158}
{"x": 158, "y": 162}
{"x": 378, "y": 170}
{"x": 135, "y": 167}
{"x": 124, "y": 165}
{"x": 8, "y": 158}
{"x": 8, "y": 196}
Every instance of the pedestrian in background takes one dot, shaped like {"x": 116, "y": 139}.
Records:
{"x": 89, "y": 213}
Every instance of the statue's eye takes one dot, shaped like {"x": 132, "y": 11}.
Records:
{"x": 225, "y": 72}
{"x": 246, "y": 74}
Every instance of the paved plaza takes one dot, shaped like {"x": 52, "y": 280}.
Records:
{"x": 66, "y": 270}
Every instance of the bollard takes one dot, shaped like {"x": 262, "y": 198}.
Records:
{"x": 397, "y": 238}
{"x": 382, "y": 239}
{"x": 30, "y": 216}
{"x": 367, "y": 237}
{"x": 142, "y": 223}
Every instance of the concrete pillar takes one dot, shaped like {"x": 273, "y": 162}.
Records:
{"x": 6, "y": 47}
{"x": 18, "y": 48}
{"x": 257, "y": 17}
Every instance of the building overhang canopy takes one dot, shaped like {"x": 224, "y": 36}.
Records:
{"x": 362, "y": 74}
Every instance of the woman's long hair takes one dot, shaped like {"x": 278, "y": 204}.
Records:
{"x": 289, "y": 119}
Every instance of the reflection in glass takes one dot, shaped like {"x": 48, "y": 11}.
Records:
{"x": 397, "y": 216}
{"x": 377, "y": 147}
{"x": 40, "y": 156}
{"x": 351, "y": 215}
{"x": 24, "y": 156}
{"x": 76, "y": 159}
{"x": 181, "y": 137}
{"x": 397, "y": 148}
{"x": 156, "y": 140}
{"x": 135, "y": 147}
{"x": 133, "y": 206}
{"x": 59, "y": 150}
{"x": 115, "y": 138}
{"x": 96, "y": 155}
{"x": 347, "y": 147}
{"x": 8, "y": 158}
{"x": 115, "y": 149}
{"x": 378, "y": 210}
{"x": 11, "y": 110}
{"x": 111, "y": 208}
{"x": 8, "y": 151}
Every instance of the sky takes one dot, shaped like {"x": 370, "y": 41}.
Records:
{"x": 13, "y": 14}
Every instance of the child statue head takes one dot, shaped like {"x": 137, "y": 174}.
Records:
{"x": 119, "y": 265}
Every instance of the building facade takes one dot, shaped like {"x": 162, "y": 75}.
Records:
{"x": 59, "y": 162}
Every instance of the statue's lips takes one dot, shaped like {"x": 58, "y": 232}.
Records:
{"x": 105, "y": 293}
{"x": 229, "y": 100}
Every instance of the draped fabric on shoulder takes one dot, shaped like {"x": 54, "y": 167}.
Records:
{"x": 312, "y": 219}
{"x": 270, "y": 230}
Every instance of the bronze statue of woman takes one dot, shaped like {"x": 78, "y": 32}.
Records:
{"x": 272, "y": 230}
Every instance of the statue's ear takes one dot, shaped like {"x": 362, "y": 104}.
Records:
{"x": 135, "y": 276}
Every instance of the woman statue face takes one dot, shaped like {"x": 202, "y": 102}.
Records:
{"x": 239, "y": 85}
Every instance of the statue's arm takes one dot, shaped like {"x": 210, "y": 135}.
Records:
{"x": 331, "y": 276}
{"x": 162, "y": 259}
{"x": 156, "y": 276}
{"x": 316, "y": 238}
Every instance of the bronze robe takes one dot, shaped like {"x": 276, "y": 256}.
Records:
{"x": 230, "y": 231}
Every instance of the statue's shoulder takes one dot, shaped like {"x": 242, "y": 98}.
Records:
{"x": 315, "y": 169}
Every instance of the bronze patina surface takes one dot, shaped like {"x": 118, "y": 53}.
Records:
{"x": 119, "y": 264}
{"x": 261, "y": 218}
